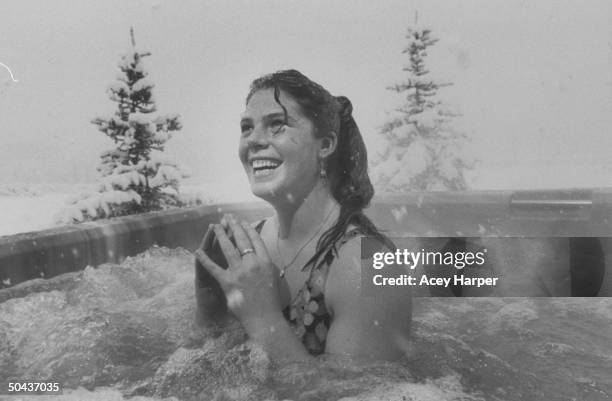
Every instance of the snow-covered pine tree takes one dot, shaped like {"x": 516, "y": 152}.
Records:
{"x": 135, "y": 177}
{"x": 422, "y": 150}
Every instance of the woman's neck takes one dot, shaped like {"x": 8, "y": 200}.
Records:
{"x": 299, "y": 220}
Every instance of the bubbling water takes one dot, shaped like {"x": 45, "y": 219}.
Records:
{"x": 127, "y": 331}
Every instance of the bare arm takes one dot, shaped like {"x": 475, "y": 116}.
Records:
{"x": 276, "y": 337}
{"x": 373, "y": 328}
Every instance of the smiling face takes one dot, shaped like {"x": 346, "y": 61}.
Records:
{"x": 280, "y": 155}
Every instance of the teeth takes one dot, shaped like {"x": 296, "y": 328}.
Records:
{"x": 262, "y": 172}
{"x": 264, "y": 164}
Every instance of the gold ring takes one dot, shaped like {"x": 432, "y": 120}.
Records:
{"x": 246, "y": 251}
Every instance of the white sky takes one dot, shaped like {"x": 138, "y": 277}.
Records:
{"x": 533, "y": 79}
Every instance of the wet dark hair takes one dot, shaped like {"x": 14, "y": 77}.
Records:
{"x": 347, "y": 166}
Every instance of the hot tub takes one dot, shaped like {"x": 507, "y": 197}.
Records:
{"x": 126, "y": 329}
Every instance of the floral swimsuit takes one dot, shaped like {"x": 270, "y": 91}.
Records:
{"x": 307, "y": 313}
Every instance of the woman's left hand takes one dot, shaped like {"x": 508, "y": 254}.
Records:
{"x": 251, "y": 281}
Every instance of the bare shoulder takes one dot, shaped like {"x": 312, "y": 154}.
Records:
{"x": 363, "y": 324}
{"x": 347, "y": 263}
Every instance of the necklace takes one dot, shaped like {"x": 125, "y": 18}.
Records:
{"x": 286, "y": 266}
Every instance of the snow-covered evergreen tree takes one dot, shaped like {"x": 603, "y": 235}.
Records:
{"x": 422, "y": 150}
{"x": 135, "y": 176}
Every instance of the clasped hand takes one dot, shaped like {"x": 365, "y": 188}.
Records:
{"x": 251, "y": 281}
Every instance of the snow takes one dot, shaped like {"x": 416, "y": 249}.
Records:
{"x": 160, "y": 158}
{"x": 400, "y": 168}
{"x": 161, "y": 137}
{"x": 127, "y": 60}
{"x": 33, "y": 207}
{"x": 427, "y": 118}
{"x": 447, "y": 168}
{"x": 165, "y": 174}
{"x": 142, "y": 84}
{"x": 118, "y": 86}
{"x": 140, "y": 118}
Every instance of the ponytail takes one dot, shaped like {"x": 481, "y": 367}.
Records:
{"x": 349, "y": 163}
{"x": 351, "y": 187}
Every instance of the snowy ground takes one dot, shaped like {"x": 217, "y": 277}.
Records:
{"x": 21, "y": 214}
{"x": 32, "y": 207}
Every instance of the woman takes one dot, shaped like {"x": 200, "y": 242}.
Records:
{"x": 294, "y": 280}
